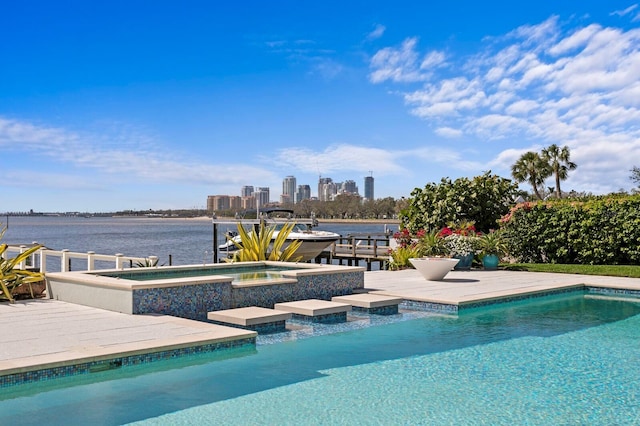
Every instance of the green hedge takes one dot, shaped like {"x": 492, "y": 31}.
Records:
{"x": 597, "y": 231}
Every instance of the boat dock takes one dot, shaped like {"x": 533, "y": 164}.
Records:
{"x": 354, "y": 248}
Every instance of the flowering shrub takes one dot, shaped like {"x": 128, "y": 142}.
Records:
{"x": 405, "y": 239}
{"x": 455, "y": 240}
{"x": 461, "y": 245}
{"x": 461, "y": 240}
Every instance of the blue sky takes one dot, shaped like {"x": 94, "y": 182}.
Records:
{"x": 115, "y": 105}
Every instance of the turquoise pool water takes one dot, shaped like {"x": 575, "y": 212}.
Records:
{"x": 241, "y": 273}
{"x": 569, "y": 359}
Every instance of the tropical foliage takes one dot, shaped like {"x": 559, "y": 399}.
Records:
{"x": 432, "y": 244}
{"x": 399, "y": 257}
{"x": 482, "y": 200}
{"x": 598, "y": 230}
{"x": 635, "y": 175}
{"x": 256, "y": 246}
{"x": 148, "y": 263}
{"x": 453, "y": 240}
{"x": 558, "y": 160}
{"x": 533, "y": 169}
{"x": 460, "y": 239}
{"x": 12, "y": 277}
{"x": 492, "y": 242}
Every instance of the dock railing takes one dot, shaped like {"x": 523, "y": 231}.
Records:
{"x": 39, "y": 259}
{"x": 356, "y": 247}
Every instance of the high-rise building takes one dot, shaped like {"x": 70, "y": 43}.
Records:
{"x": 349, "y": 187}
{"x": 248, "y": 203}
{"x": 288, "y": 190}
{"x": 368, "y": 188}
{"x": 325, "y": 188}
{"x": 247, "y": 191}
{"x": 262, "y": 196}
{"x": 303, "y": 193}
{"x": 216, "y": 203}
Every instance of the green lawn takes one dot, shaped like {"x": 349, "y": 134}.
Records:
{"x": 609, "y": 270}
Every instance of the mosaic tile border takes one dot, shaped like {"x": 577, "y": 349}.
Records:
{"x": 117, "y": 362}
{"x": 322, "y": 319}
{"x": 608, "y": 291}
{"x": 416, "y": 305}
{"x": 264, "y": 328}
{"x": 380, "y": 310}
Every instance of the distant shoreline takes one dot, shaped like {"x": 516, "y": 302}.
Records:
{"x": 208, "y": 218}
{"x": 362, "y": 221}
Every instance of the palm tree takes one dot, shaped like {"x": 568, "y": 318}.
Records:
{"x": 558, "y": 160}
{"x": 635, "y": 175}
{"x": 531, "y": 168}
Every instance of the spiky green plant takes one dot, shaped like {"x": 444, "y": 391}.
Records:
{"x": 399, "y": 257}
{"x": 433, "y": 244}
{"x": 256, "y": 246}
{"x": 11, "y": 277}
{"x": 147, "y": 263}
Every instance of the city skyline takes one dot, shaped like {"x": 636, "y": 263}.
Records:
{"x": 247, "y": 197}
{"x": 119, "y": 106}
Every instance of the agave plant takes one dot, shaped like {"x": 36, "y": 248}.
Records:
{"x": 255, "y": 246}
{"x": 433, "y": 244}
{"x": 11, "y": 277}
{"x": 148, "y": 263}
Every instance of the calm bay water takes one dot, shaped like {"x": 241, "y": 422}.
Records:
{"x": 187, "y": 241}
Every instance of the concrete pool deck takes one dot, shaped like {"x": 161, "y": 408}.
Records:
{"x": 44, "y": 334}
{"x": 47, "y": 333}
{"x": 468, "y": 287}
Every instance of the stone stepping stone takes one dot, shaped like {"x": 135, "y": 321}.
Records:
{"x": 316, "y": 310}
{"x": 371, "y": 303}
{"x": 261, "y": 320}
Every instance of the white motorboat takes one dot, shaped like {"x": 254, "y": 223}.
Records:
{"x": 313, "y": 241}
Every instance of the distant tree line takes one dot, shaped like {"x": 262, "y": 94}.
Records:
{"x": 344, "y": 206}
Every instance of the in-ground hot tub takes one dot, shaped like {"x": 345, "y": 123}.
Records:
{"x": 194, "y": 290}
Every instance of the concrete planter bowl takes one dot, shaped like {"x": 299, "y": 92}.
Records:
{"x": 433, "y": 268}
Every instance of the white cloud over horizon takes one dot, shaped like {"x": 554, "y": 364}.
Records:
{"x": 116, "y": 158}
{"x": 538, "y": 84}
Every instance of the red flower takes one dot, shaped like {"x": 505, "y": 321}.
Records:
{"x": 445, "y": 232}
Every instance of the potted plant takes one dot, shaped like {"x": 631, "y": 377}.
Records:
{"x": 432, "y": 244}
{"x": 435, "y": 262}
{"x": 462, "y": 242}
{"x": 492, "y": 245}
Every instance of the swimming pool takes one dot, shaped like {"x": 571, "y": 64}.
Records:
{"x": 569, "y": 359}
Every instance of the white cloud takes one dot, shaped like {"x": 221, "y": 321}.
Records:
{"x": 547, "y": 83}
{"x": 339, "y": 158}
{"x": 327, "y": 68}
{"x": 403, "y": 64}
{"x": 432, "y": 59}
{"x": 521, "y": 107}
{"x": 377, "y": 32}
{"x": 448, "y": 132}
{"x": 112, "y": 158}
{"x": 626, "y": 11}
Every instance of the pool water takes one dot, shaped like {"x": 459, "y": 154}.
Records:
{"x": 240, "y": 273}
{"x": 569, "y": 359}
